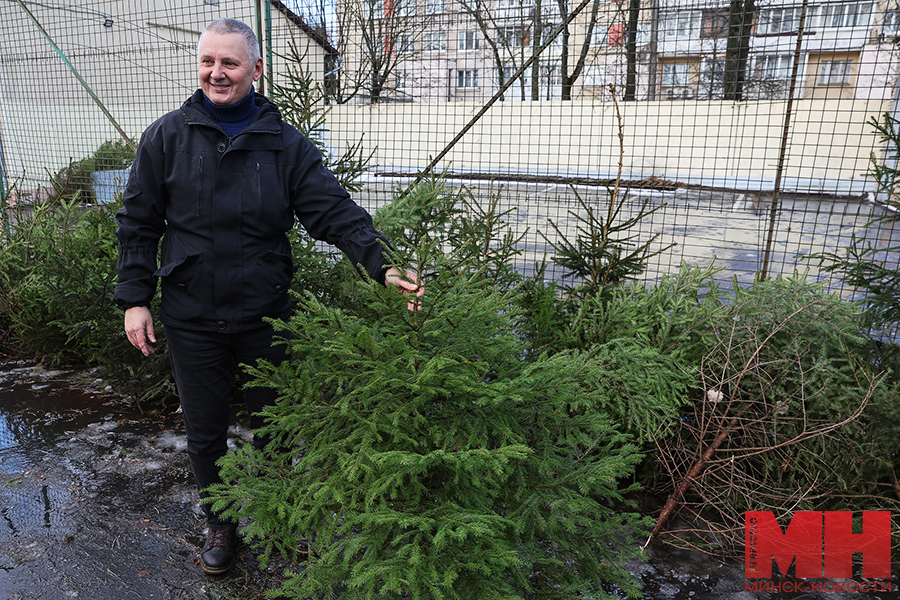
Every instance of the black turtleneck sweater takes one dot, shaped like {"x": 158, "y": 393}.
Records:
{"x": 235, "y": 118}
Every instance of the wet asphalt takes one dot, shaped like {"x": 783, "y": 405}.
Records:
{"x": 97, "y": 502}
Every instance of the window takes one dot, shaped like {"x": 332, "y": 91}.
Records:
{"x": 405, "y": 44}
{"x": 515, "y": 3}
{"x": 774, "y": 67}
{"x": 712, "y": 71}
{"x": 616, "y": 35}
{"x": 400, "y": 80}
{"x": 375, "y": 9}
{"x": 890, "y": 25}
{"x": 712, "y": 78}
{"x": 855, "y": 14}
{"x": 467, "y": 78}
{"x": 550, "y": 76}
{"x": 778, "y": 20}
{"x": 835, "y": 72}
{"x": 612, "y": 35}
{"x": 769, "y": 75}
{"x": 433, "y": 7}
{"x": 435, "y": 41}
{"x": 404, "y": 8}
{"x": 514, "y": 37}
{"x": 675, "y": 74}
{"x": 643, "y": 34}
{"x": 684, "y": 25}
{"x": 714, "y": 23}
{"x": 468, "y": 40}
{"x": 548, "y": 29}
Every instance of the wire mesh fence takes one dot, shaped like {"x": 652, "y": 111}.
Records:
{"x": 748, "y": 121}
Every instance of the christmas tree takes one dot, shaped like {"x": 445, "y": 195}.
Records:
{"x": 428, "y": 454}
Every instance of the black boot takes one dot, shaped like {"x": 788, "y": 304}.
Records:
{"x": 217, "y": 556}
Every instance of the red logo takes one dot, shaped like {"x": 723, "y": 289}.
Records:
{"x": 822, "y": 543}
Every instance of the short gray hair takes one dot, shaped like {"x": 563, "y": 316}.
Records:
{"x": 226, "y": 25}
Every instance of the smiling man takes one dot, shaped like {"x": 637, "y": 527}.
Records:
{"x": 228, "y": 67}
{"x": 221, "y": 181}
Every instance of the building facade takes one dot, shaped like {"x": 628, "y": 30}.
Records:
{"x": 465, "y": 50}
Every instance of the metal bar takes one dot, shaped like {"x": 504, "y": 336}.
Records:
{"x": 773, "y": 213}
{"x": 270, "y": 63}
{"x": 259, "y": 40}
{"x": 3, "y": 196}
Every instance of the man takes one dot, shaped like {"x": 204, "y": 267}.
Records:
{"x": 223, "y": 178}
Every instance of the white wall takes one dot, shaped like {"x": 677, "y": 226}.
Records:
{"x": 717, "y": 143}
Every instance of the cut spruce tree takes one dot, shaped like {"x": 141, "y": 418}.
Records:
{"x": 423, "y": 457}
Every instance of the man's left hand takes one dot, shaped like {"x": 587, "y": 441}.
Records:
{"x": 406, "y": 284}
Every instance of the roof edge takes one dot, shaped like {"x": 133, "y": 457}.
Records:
{"x": 299, "y": 22}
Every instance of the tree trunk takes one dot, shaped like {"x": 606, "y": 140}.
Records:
{"x": 740, "y": 21}
{"x": 634, "y": 12}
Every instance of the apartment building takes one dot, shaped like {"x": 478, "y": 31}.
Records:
{"x": 464, "y": 50}
{"x": 846, "y": 50}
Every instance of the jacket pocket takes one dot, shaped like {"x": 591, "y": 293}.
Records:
{"x": 267, "y": 200}
{"x": 267, "y": 291}
{"x": 176, "y": 267}
{"x": 185, "y": 185}
{"x": 183, "y": 297}
{"x": 276, "y": 270}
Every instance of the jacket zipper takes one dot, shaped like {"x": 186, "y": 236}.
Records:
{"x": 200, "y": 194}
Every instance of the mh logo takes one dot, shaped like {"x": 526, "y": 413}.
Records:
{"x": 822, "y": 543}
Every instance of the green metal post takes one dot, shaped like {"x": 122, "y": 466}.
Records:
{"x": 3, "y": 203}
{"x": 270, "y": 63}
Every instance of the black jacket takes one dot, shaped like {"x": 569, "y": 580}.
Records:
{"x": 222, "y": 208}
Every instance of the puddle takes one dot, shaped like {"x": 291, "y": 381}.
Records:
{"x": 97, "y": 502}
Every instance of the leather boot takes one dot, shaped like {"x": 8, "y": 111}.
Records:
{"x": 217, "y": 556}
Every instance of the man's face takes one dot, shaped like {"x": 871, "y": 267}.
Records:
{"x": 226, "y": 72}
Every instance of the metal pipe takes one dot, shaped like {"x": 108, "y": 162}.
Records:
{"x": 259, "y": 41}
{"x": 3, "y": 190}
{"x": 269, "y": 60}
{"x": 773, "y": 213}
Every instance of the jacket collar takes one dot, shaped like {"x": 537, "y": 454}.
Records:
{"x": 267, "y": 121}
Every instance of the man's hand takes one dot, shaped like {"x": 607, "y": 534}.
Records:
{"x": 139, "y": 328}
{"x": 406, "y": 283}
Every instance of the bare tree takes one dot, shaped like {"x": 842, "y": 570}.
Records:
{"x": 634, "y": 15}
{"x": 516, "y": 29}
{"x": 499, "y": 23}
{"x": 570, "y": 77}
{"x": 375, "y": 38}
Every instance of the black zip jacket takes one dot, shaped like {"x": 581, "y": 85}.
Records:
{"x": 222, "y": 207}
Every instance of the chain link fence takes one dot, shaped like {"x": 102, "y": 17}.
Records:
{"x": 746, "y": 121}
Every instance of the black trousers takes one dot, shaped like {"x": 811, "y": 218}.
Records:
{"x": 204, "y": 363}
